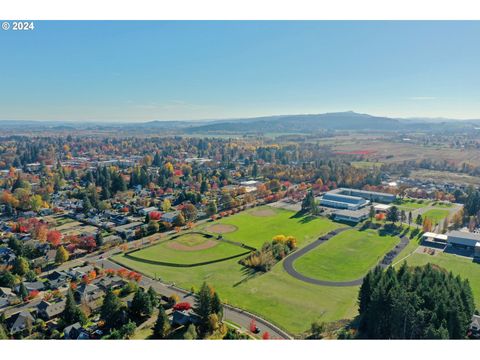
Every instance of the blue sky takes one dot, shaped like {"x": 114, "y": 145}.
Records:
{"x": 140, "y": 71}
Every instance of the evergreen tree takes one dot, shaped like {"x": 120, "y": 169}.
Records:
{"x": 99, "y": 239}
{"x": 22, "y": 291}
{"x": 141, "y": 305}
{"x": 112, "y": 310}
{"x": 72, "y": 313}
{"x": 162, "y": 325}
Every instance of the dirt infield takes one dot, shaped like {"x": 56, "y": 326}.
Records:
{"x": 263, "y": 212}
{"x": 203, "y": 246}
{"x": 221, "y": 228}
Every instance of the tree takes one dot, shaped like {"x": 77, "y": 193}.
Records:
{"x": 54, "y": 237}
{"x": 20, "y": 266}
{"x": 217, "y": 307}
{"x": 62, "y": 255}
{"x": 419, "y": 220}
{"x": 316, "y": 330}
{"x": 3, "y": 333}
{"x": 153, "y": 227}
{"x": 191, "y": 333}
{"x": 203, "y": 302}
{"x": 211, "y": 208}
{"x": 189, "y": 212}
{"x": 22, "y": 291}
{"x": 392, "y": 214}
{"x": 141, "y": 305}
{"x": 111, "y": 310}
{"x": 308, "y": 203}
{"x": 410, "y": 218}
{"x": 166, "y": 205}
{"x": 7, "y": 279}
{"x": 152, "y": 294}
{"x": 371, "y": 213}
{"x": 36, "y": 202}
{"x": 72, "y": 313}
{"x": 179, "y": 220}
{"x": 414, "y": 303}
{"x": 99, "y": 239}
{"x": 162, "y": 325}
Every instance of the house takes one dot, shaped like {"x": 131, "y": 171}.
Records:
{"x": 57, "y": 279}
{"x": 75, "y": 332}
{"x": 88, "y": 293}
{"x": 6, "y": 293}
{"x": 127, "y": 231}
{"x": 49, "y": 311}
{"x": 112, "y": 239}
{"x": 107, "y": 282}
{"x": 19, "y": 322}
{"x": 170, "y": 216}
{"x": 184, "y": 317}
{"x": 146, "y": 211}
{"x": 79, "y": 272}
{"x": 32, "y": 286}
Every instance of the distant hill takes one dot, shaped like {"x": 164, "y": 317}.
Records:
{"x": 305, "y": 123}
{"x": 302, "y": 123}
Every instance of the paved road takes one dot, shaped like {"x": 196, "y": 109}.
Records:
{"x": 232, "y": 314}
{"x": 290, "y": 269}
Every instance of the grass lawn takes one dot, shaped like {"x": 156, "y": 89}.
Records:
{"x": 191, "y": 250}
{"x": 255, "y": 230}
{"x": 462, "y": 266}
{"x": 347, "y": 256}
{"x": 436, "y": 215}
{"x": 277, "y": 296}
{"x": 411, "y": 204}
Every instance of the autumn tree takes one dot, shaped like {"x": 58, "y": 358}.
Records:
{"x": 62, "y": 255}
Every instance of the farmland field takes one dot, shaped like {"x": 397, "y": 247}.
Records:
{"x": 275, "y": 295}
{"x": 346, "y": 256}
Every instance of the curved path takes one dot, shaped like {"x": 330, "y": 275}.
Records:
{"x": 289, "y": 268}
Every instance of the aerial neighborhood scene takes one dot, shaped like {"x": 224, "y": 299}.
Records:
{"x": 197, "y": 180}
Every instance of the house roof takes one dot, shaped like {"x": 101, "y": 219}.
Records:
{"x": 18, "y": 321}
{"x": 6, "y": 291}
{"x": 51, "y": 309}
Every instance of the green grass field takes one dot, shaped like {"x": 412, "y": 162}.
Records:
{"x": 462, "y": 266}
{"x": 436, "y": 215}
{"x": 277, "y": 296}
{"x": 347, "y": 256}
{"x": 255, "y": 230}
{"x": 411, "y": 204}
{"x": 191, "y": 250}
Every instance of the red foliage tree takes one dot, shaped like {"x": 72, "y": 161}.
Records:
{"x": 155, "y": 215}
{"x": 182, "y": 306}
{"x": 54, "y": 237}
{"x": 266, "y": 335}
